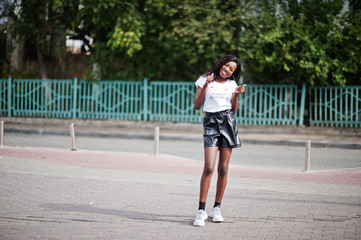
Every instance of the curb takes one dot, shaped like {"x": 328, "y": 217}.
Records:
{"x": 180, "y": 138}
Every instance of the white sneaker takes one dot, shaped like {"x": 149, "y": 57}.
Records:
{"x": 216, "y": 213}
{"x": 200, "y": 218}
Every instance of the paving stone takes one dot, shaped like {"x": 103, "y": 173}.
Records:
{"x": 53, "y": 193}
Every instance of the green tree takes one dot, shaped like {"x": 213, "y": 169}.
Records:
{"x": 301, "y": 41}
{"x": 116, "y": 28}
{"x": 279, "y": 41}
{"x": 351, "y": 43}
{"x": 42, "y": 25}
{"x": 161, "y": 39}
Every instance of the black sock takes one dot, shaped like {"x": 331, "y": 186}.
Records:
{"x": 217, "y": 204}
{"x": 202, "y": 206}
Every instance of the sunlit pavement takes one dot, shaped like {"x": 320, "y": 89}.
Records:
{"x": 114, "y": 188}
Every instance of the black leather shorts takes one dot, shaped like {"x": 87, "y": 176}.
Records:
{"x": 220, "y": 130}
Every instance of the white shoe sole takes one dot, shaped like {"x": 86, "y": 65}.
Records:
{"x": 196, "y": 225}
{"x": 217, "y": 220}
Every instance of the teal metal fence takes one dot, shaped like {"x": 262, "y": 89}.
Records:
{"x": 173, "y": 101}
{"x": 35, "y": 98}
{"x": 269, "y": 105}
{"x": 42, "y": 98}
{"x": 110, "y": 100}
{"x": 4, "y": 95}
{"x": 335, "y": 106}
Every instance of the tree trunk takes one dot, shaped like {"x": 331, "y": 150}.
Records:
{"x": 41, "y": 61}
{"x": 59, "y": 52}
{"x": 44, "y": 75}
{"x": 14, "y": 49}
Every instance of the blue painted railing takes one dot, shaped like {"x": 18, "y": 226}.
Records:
{"x": 36, "y": 98}
{"x": 335, "y": 106}
{"x": 5, "y": 97}
{"x": 269, "y": 105}
{"x": 110, "y": 100}
{"x": 173, "y": 101}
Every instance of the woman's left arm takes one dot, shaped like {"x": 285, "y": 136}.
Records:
{"x": 234, "y": 100}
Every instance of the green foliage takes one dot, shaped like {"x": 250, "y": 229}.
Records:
{"x": 304, "y": 42}
{"x": 116, "y": 28}
{"x": 39, "y": 23}
{"x": 161, "y": 39}
{"x": 279, "y": 41}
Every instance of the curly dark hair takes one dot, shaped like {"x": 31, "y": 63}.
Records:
{"x": 216, "y": 67}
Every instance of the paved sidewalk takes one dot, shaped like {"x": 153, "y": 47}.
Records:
{"x": 55, "y": 193}
{"x": 63, "y": 194}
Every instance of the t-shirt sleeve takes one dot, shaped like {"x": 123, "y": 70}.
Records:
{"x": 234, "y": 85}
{"x": 201, "y": 81}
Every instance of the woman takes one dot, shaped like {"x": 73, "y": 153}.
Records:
{"x": 217, "y": 91}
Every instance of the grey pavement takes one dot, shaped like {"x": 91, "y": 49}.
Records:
{"x": 250, "y": 155}
{"x": 346, "y": 138}
{"x": 114, "y": 187}
{"x": 263, "y": 146}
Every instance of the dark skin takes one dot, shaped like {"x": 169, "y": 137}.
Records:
{"x": 210, "y": 153}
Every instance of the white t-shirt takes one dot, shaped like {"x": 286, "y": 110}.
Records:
{"x": 218, "y": 95}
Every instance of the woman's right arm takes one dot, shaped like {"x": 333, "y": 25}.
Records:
{"x": 201, "y": 93}
{"x": 199, "y": 98}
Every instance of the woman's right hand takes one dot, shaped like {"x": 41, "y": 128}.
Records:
{"x": 209, "y": 79}
{"x": 201, "y": 92}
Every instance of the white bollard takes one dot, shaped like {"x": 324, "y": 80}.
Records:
{"x": 72, "y": 137}
{"x": 1, "y": 133}
{"x": 308, "y": 156}
{"x": 156, "y": 141}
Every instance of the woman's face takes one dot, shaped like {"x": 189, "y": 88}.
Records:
{"x": 227, "y": 69}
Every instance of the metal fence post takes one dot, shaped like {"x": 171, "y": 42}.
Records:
{"x": 9, "y": 96}
{"x": 145, "y": 99}
{"x": 75, "y": 97}
{"x": 302, "y": 106}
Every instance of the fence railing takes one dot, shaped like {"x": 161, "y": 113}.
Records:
{"x": 109, "y": 100}
{"x": 335, "y": 107}
{"x": 41, "y": 98}
{"x": 173, "y": 101}
{"x": 269, "y": 105}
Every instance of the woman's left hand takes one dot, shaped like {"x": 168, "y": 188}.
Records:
{"x": 240, "y": 89}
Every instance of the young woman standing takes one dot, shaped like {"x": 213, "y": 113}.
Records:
{"x": 217, "y": 92}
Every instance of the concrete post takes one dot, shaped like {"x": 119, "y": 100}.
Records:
{"x": 308, "y": 156}
{"x": 72, "y": 137}
{"x": 156, "y": 141}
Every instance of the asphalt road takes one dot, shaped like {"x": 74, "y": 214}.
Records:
{"x": 249, "y": 155}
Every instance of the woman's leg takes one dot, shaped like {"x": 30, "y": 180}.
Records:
{"x": 210, "y": 155}
{"x": 224, "y": 157}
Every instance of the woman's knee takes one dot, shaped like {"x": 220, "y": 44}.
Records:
{"x": 208, "y": 171}
{"x": 223, "y": 171}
